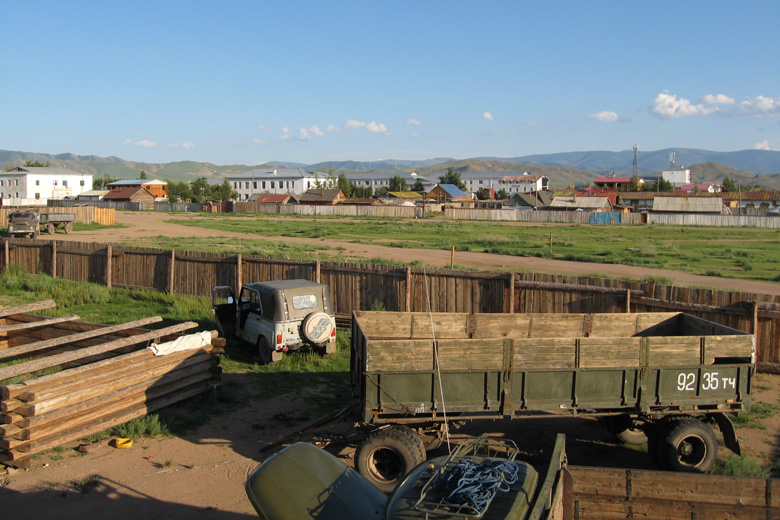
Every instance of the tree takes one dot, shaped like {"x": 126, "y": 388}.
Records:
{"x": 199, "y": 188}
{"x": 452, "y": 177}
{"x": 179, "y": 191}
{"x": 633, "y": 184}
{"x": 37, "y": 164}
{"x": 502, "y": 194}
{"x": 344, "y": 185}
{"x": 418, "y": 186}
{"x": 397, "y": 183}
{"x": 222, "y": 191}
{"x": 728, "y": 185}
{"x": 661, "y": 185}
{"x": 100, "y": 183}
{"x": 143, "y": 175}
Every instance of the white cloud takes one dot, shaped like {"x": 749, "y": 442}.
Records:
{"x": 412, "y": 122}
{"x": 188, "y": 145}
{"x": 286, "y": 130}
{"x": 373, "y": 126}
{"x": 146, "y": 143}
{"x": 718, "y": 99}
{"x": 605, "y": 116}
{"x": 257, "y": 140}
{"x": 285, "y": 137}
{"x": 128, "y": 141}
{"x": 316, "y": 130}
{"x": 761, "y": 105}
{"x": 333, "y": 128}
{"x": 263, "y": 127}
{"x": 488, "y": 116}
{"x": 763, "y": 145}
{"x": 667, "y": 106}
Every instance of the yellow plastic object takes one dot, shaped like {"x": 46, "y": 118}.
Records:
{"x": 123, "y": 443}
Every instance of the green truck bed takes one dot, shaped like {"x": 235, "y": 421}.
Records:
{"x": 407, "y": 367}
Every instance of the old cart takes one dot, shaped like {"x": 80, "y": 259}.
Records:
{"x": 654, "y": 377}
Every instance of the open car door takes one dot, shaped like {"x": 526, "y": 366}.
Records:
{"x": 224, "y": 306}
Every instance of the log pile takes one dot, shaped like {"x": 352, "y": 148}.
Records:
{"x": 72, "y": 379}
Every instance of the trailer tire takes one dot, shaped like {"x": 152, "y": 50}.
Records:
{"x": 658, "y": 432}
{"x": 689, "y": 446}
{"x": 413, "y": 437}
{"x": 50, "y": 228}
{"x": 68, "y": 228}
{"x": 385, "y": 457}
{"x": 626, "y": 428}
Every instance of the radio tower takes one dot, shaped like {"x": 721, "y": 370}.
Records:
{"x": 636, "y": 168}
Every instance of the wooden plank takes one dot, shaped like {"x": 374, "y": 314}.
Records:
{"x": 35, "y": 324}
{"x": 50, "y": 361}
{"x": 439, "y": 325}
{"x": 72, "y": 338}
{"x": 29, "y": 307}
{"x": 501, "y": 325}
{"x": 554, "y": 325}
{"x": 609, "y": 352}
{"x": 399, "y": 355}
{"x": 471, "y": 354}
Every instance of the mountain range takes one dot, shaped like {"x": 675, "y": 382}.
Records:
{"x": 747, "y": 167}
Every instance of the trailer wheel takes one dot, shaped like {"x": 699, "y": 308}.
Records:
{"x": 689, "y": 446}
{"x": 626, "y": 428}
{"x": 385, "y": 457}
{"x": 68, "y": 228}
{"x": 658, "y": 432}
{"x": 50, "y": 228}
{"x": 413, "y": 437}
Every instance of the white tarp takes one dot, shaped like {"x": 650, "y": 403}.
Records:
{"x": 188, "y": 342}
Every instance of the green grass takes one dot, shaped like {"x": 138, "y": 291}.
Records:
{"x": 753, "y": 418}
{"x": 741, "y": 466}
{"x": 744, "y": 253}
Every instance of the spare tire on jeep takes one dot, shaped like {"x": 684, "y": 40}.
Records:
{"x": 317, "y": 327}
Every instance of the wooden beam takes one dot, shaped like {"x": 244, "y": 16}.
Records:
{"x": 34, "y": 324}
{"x": 652, "y": 302}
{"x": 71, "y": 338}
{"x": 30, "y": 307}
{"x": 172, "y": 271}
{"x": 59, "y": 359}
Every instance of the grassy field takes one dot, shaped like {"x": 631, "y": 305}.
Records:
{"x": 744, "y": 253}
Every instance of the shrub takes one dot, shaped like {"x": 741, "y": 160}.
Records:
{"x": 741, "y": 466}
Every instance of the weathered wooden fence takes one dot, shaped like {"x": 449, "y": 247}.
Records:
{"x": 84, "y": 214}
{"x": 586, "y": 217}
{"x": 365, "y": 286}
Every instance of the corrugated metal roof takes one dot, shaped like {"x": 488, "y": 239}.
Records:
{"x": 319, "y": 195}
{"x": 277, "y": 173}
{"x": 454, "y": 191}
{"x": 688, "y": 204}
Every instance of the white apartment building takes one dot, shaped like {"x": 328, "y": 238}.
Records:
{"x": 35, "y": 184}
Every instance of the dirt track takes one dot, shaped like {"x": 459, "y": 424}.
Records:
{"x": 138, "y": 225}
{"x": 201, "y": 475}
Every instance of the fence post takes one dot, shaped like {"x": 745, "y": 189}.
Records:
{"x": 7, "y": 258}
{"x": 239, "y": 276}
{"x": 628, "y": 301}
{"x": 54, "y": 259}
{"x": 408, "y": 298}
{"x": 171, "y": 271}
{"x": 317, "y": 272}
{"x": 511, "y": 292}
{"x": 109, "y": 255}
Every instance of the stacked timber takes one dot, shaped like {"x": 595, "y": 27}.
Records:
{"x": 72, "y": 379}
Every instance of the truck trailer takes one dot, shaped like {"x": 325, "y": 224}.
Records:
{"x": 661, "y": 378}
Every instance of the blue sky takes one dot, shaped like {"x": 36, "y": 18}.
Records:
{"x": 247, "y": 82}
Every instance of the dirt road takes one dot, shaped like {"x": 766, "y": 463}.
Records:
{"x": 138, "y": 225}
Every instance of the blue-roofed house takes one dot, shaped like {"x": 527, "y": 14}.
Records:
{"x": 448, "y": 193}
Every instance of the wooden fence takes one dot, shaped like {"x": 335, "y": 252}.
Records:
{"x": 84, "y": 214}
{"x": 366, "y": 286}
{"x": 586, "y": 217}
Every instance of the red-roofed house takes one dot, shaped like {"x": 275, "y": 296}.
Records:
{"x": 271, "y": 198}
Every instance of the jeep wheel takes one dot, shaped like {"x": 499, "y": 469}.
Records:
{"x": 264, "y": 351}
{"x": 317, "y": 328}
